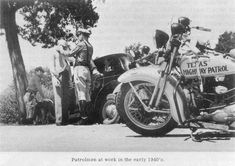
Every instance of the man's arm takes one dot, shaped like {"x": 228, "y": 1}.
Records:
{"x": 94, "y": 69}
{"x": 69, "y": 53}
{"x": 78, "y": 48}
{"x": 92, "y": 65}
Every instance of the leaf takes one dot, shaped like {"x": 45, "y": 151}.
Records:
{"x": 46, "y": 20}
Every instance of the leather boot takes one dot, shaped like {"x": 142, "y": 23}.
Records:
{"x": 83, "y": 109}
{"x": 84, "y": 118}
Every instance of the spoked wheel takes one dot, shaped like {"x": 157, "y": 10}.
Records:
{"x": 137, "y": 118}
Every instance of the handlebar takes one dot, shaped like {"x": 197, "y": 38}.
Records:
{"x": 201, "y": 28}
{"x": 141, "y": 59}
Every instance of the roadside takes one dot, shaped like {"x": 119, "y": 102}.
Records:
{"x": 105, "y": 138}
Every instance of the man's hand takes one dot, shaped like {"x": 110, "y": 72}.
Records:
{"x": 57, "y": 79}
{"x": 97, "y": 73}
{"x": 57, "y": 83}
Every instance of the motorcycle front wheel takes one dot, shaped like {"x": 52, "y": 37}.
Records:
{"x": 139, "y": 120}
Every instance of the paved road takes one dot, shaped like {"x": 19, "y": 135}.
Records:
{"x": 105, "y": 138}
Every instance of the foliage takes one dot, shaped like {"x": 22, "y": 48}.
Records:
{"x": 45, "y": 23}
{"x": 9, "y": 113}
{"x": 49, "y": 21}
{"x": 134, "y": 47}
{"x": 226, "y": 42}
{"x": 46, "y": 83}
{"x": 8, "y": 106}
{"x": 46, "y": 78}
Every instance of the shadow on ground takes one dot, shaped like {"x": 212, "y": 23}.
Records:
{"x": 198, "y": 136}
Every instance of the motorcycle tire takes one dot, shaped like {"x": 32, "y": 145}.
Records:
{"x": 137, "y": 126}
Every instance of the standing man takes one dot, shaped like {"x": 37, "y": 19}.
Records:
{"x": 61, "y": 79}
{"x": 31, "y": 92}
{"x": 83, "y": 68}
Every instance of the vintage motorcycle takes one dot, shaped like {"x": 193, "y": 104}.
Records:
{"x": 194, "y": 90}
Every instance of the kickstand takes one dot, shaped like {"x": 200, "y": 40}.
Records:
{"x": 195, "y": 137}
{"x": 209, "y": 136}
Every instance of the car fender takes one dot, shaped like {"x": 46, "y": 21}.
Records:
{"x": 107, "y": 88}
{"x": 117, "y": 89}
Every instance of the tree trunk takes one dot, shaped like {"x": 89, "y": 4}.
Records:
{"x": 17, "y": 62}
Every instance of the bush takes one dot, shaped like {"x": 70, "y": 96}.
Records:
{"x": 9, "y": 112}
{"x": 8, "y": 106}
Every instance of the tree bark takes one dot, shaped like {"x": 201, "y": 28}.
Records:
{"x": 17, "y": 62}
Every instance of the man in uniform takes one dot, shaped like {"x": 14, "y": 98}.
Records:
{"x": 83, "y": 68}
{"x": 31, "y": 92}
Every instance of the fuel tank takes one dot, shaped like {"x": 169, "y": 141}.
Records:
{"x": 207, "y": 65}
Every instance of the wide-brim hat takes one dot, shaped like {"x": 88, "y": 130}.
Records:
{"x": 85, "y": 31}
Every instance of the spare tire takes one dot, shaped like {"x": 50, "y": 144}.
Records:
{"x": 108, "y": 113}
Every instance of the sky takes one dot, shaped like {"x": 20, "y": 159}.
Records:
{"x": 124, "y": 22}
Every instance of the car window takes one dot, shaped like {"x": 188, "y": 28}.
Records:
{"x": 111, "y": 65}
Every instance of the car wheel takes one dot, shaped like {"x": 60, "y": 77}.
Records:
{"x": 108, "y": 112}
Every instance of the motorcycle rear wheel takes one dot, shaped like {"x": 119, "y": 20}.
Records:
{"x": 139, "y": 120}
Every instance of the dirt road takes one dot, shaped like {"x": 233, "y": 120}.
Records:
{"x": 105, "y": 138}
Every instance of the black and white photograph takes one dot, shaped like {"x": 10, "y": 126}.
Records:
{"x": 117, "y": 82}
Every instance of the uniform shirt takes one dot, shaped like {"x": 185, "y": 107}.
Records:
{"x": 83, "y": 52}
{"x": 35, "y": 85}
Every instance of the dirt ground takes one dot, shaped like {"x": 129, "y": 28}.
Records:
{"x": 105, "y": 138}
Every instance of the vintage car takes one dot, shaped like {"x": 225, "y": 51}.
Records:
{"x": 102, "y": 108}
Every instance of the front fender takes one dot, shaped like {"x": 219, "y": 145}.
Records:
{"x": 149, "y": 73}
{"x": 152, "y": 74}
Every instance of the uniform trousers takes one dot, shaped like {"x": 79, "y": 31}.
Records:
{"x": 82, "y": 80}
